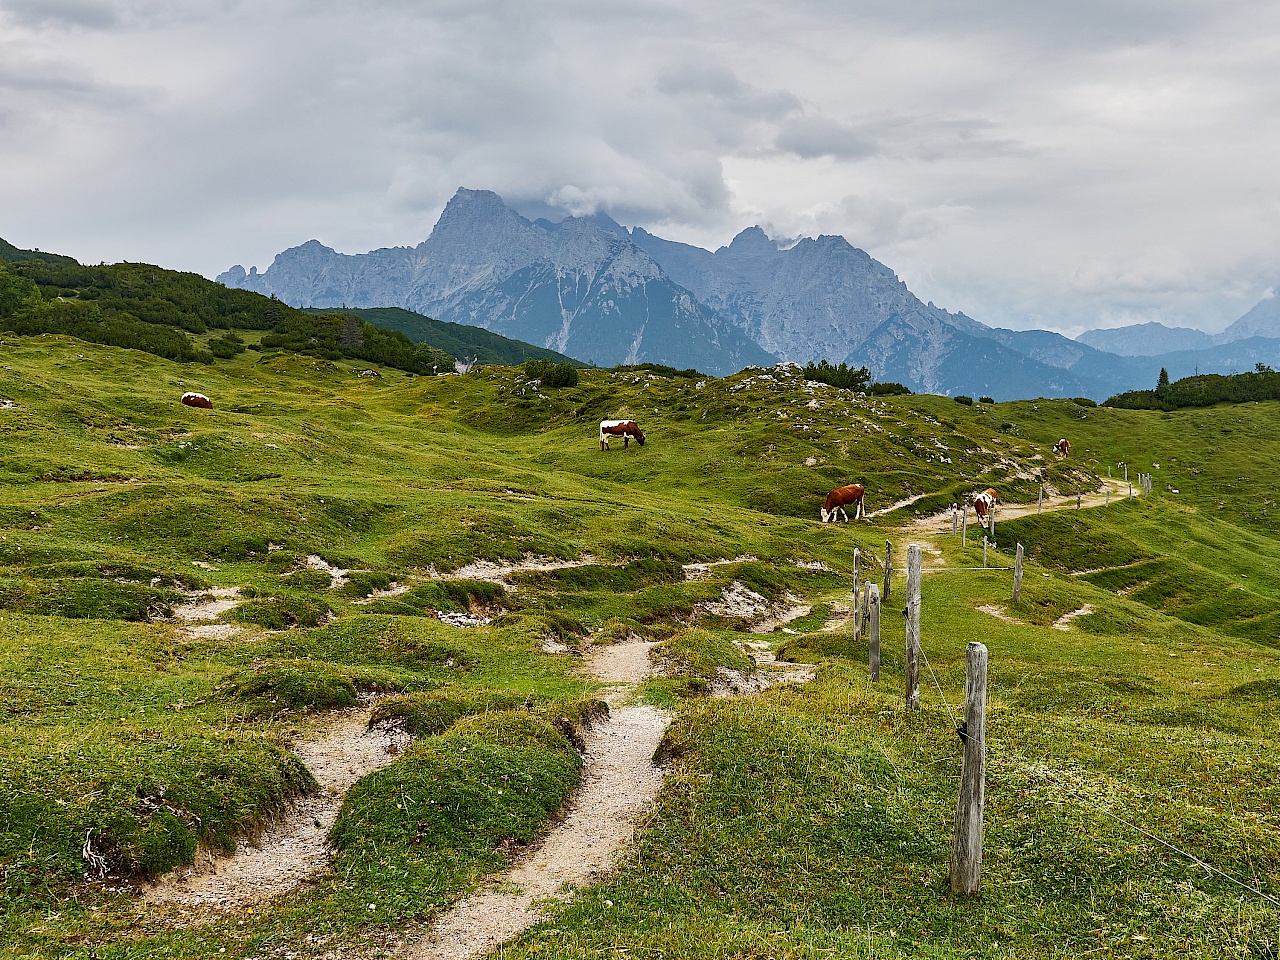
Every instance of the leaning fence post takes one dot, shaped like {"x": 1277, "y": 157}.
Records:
{"x": 873, "y": 630}
{"x": 888, "y": 569}
{"x": 857, "y": 593}
{"x": 914, "y": 564}
{"x": 966, "y": 839}
{"x": 964, "y": 526}
{"x": 1017, "y": 575}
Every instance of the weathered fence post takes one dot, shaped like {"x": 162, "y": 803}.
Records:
{"x": 1040, "y": 501}
{"x": 857, "y": 593}
{"x": 1077, "y": 496}
{"x": 1108, "y": 503}
{"x": 1017, "y": 575}
{"x": 984, "y": 553}
{"x": 991, "y": 523}
{"x": 866, "y": 607}
{"x": 1126, "y": 473}
{"x": 955, "y": 521}
{"x": 966, "y": 839}
{"x": 914, "y": 567}
{"x": 1131, "y": 491}
{"x": 964, "y": 526}
{"x": 888, "y": 570}
{"x": 873, "y": 631}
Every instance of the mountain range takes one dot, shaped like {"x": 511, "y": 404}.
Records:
{"x": 594, "y": 290}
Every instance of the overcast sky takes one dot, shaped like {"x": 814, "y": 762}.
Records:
{"x": 1065, "y": 165}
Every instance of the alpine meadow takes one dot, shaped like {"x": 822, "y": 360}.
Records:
{"x": 193, "y": 598}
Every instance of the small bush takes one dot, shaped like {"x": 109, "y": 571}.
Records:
{"x": 1084, "y": 402}
{"x": 985, "y": 400}
{"x": 963, "y": 400}
{"x": 550, "y": 373}
{"x": 889, "y": 389}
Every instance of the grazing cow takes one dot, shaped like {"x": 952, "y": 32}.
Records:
{"x": 985, "y": 502}
{"x": 197, "y": 400}
{"x": 626, "y": 429}
{"x": 841, "y": 497}
{"x": 1062, "y": 447}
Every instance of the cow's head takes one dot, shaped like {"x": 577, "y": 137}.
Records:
{"x": 638, "y": 434}
{"x": 825, "y": 515}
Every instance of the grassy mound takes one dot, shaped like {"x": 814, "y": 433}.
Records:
{"x": 304, "y": 686}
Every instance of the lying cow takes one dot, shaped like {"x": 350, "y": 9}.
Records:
{"x": 1063, "y": 447}
{"x": 841, "y": 497}
{"x": 192, "y": 399}
{"x": 626, "y": 429}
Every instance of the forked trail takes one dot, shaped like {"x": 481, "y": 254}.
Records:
{"x": 620, "y": 780}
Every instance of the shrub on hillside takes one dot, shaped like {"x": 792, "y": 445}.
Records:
{"x": 985, "y": 400}
{"x": 550, "y": 373}
{"x": 963, "y": 400}
{"x": 841, "y": 376}
{"x": 889, "y": 389}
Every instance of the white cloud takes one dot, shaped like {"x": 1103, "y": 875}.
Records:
{"x": 1063, "y": 164}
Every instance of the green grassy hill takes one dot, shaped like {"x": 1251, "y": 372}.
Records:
{"x": 457, "y": 339}
{"x": 803, "y": 822}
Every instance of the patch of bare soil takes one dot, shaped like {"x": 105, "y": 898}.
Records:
{"x": 998, "y": 612}
{"x": 1064, "y": 621}
{"x": 737, "y": 600}
{"x": 769, "y": 672}
{"x": 896, "y": 506}
{"x": 700, "y": 571}
{"x": 293, "y": 847}
{"x": 337, "y": 576}
{"x": 208, "y": 606}
{"x": 394, "y": 590}
{"x": 780, "y": 619}
{"x": 500, "y": 572}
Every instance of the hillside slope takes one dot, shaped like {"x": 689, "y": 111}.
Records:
{"x": 352, "y": 537}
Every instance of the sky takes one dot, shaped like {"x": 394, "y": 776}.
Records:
{"x": 1032, "y": 164}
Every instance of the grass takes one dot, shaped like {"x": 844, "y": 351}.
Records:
{"x": 802, "y": 822}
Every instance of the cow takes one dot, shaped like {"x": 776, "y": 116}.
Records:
{"x": 192, "y": 399}
{"x": 626, "y": 429}
{"x": 985, "y": 502}
{"x": 1062, "y": 447}
{"x": 841, "y": 497}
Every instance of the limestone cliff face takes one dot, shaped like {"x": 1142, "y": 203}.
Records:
{"x": 580, "y": 287}
{"x": 596, "y": 291}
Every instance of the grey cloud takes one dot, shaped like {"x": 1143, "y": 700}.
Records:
{"x": 87, "y": 14}
{"x": 810, "y": 137}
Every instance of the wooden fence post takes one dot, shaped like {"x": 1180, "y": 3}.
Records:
{"x": 1077, "y": 496}
{"x": 1017, "y": 575}
{"x": 955, "y": 520}
{"x": 984, "y": 553}
{"x": 857, "y": 593}
{"x": 888, "y": 570}
{"x": 873, "y": 631}
{"x": 1108, "y": 503}
{"x": 914, "y": 567}
{"x": 966, "y": 839}
{"x": 1040, "y": 501}
{"x": 1126, "y": 473}
{"x": 991, "y": 523}
{"x": 964, "y": 526}
{"x": 866, "y": 607}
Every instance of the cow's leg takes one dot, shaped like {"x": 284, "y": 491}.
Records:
{"x": 841, "y": 510}
{"x": 626, "y": 441}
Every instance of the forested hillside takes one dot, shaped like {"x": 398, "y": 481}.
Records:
{"x": 183, "y": 316}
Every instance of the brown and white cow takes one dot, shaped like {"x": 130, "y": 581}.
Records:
{"x": 985, "y": 502}
{"x": 626, "y": 429}
{"x": 841, "y": 497}
{"x": 192, "y": 399}
{"x": 1062, "y": 447}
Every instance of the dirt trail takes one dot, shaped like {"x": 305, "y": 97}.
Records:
{"x": 941, "y": 522}
{"x": 293, "y": 847}
{"x": 619, "y": 782}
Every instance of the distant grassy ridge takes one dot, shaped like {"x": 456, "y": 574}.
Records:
{"x": 457, "y": 339}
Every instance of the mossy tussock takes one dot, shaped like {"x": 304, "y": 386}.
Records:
{"x": 276, "y": 686}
